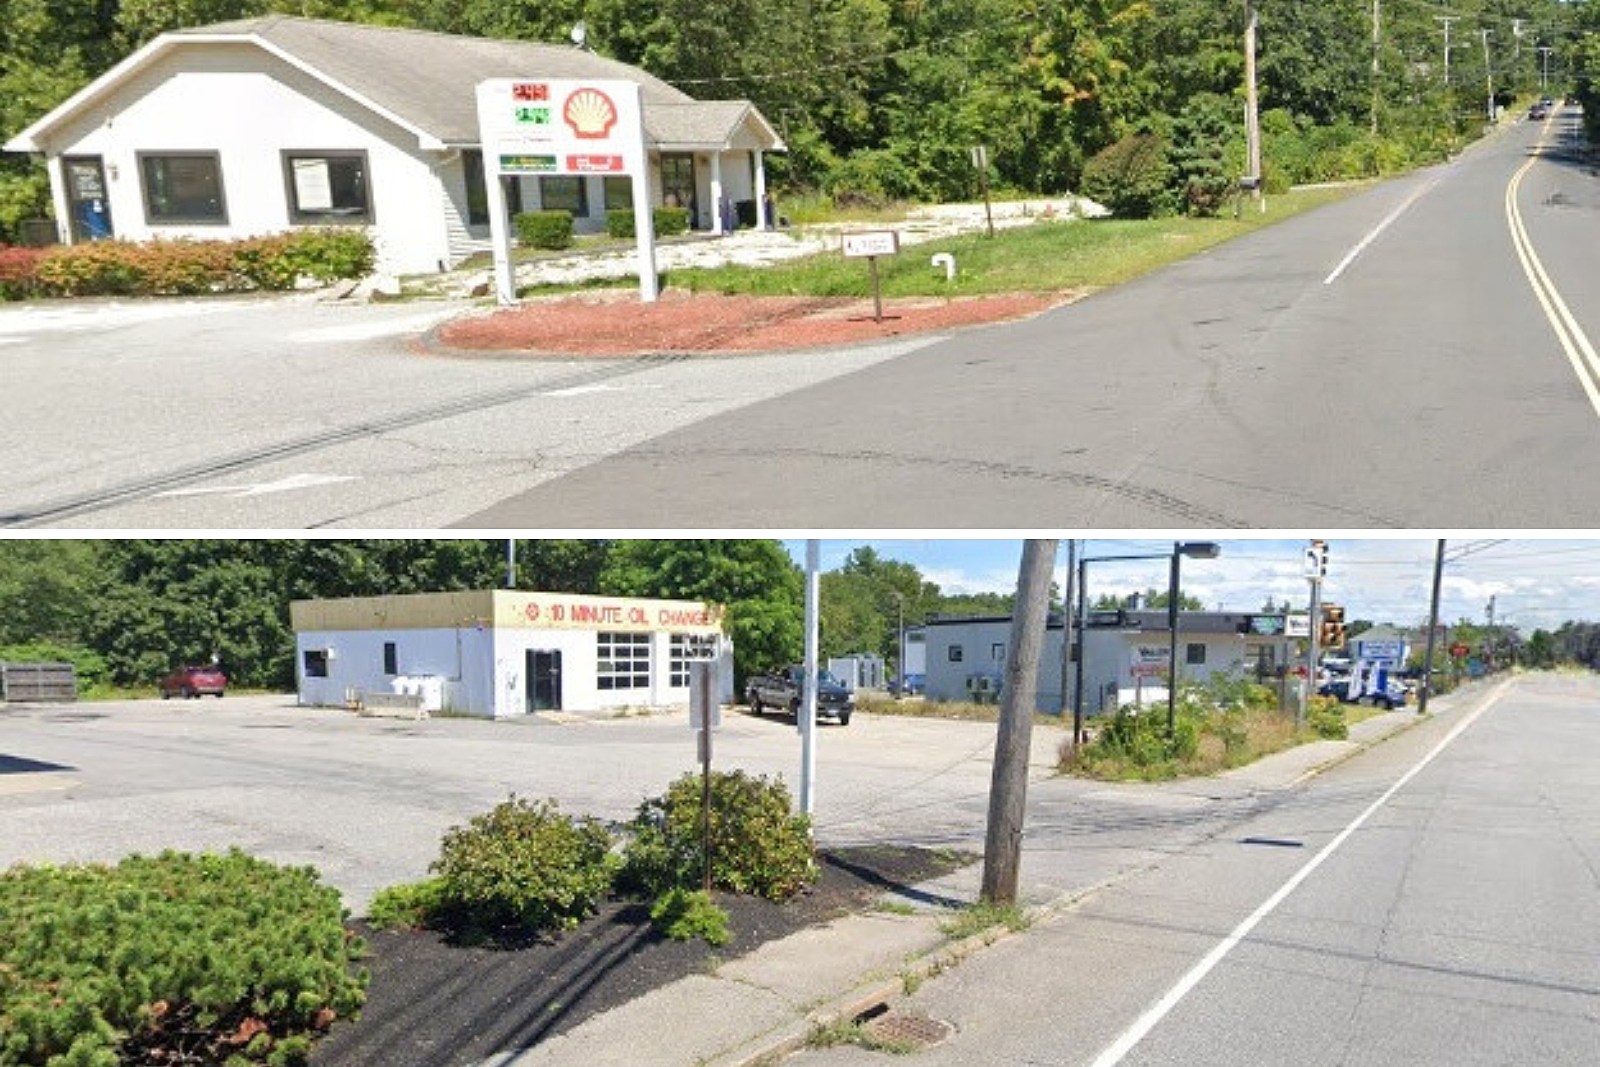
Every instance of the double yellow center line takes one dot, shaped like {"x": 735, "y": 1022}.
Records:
{"x": 1574, "y": 342}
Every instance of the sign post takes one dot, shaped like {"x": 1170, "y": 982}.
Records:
{"x": 869, "y": 245}
{"x": 554, "y": 127}
{"x": 705, "y": 715}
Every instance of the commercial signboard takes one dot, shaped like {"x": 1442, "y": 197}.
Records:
{"x": 554, "y": 127}
{"x": 1150, "y": 661}
{"x": 1392, "y": 651}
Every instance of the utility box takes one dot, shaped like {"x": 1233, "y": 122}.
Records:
{"x": 55, "y": 683}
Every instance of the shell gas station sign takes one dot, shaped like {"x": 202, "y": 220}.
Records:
{"x": 562, "y": 127}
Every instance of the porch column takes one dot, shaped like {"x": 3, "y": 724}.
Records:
{"x": 716, "y": 193}
{"x": 762, "y": 222}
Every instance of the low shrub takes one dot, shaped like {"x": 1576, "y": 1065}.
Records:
{"x": 1325, "y": 716}
{"x": 411, "y": 906}
{"x": 187, "y": 267}
{"x": 176, "y": 958}
{"x": 664, "y": 221}
{"x": 685, "y": 914}
{"x": 544, "y": 229}
{"x": 88, "y": 665}
{"x": 1130, "y": 177}
{"x": 758, "y": 845}
{"x": 524, "y": 866}
{"x": 19, "y": 272}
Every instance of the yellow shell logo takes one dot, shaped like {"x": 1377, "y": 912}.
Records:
{"x": 590, "y": 113}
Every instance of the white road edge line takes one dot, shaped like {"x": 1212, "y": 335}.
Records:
{"x": 1147, "y": 1022}
{"x": 1361, "y": 246}
{"x": 1574, "y": 342}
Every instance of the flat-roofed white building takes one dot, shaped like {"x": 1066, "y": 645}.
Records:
{"x": 505, "y": 653}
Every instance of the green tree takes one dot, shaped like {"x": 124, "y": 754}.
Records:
{"x": 757, "y": 581}
{"x": 47, "y": 590}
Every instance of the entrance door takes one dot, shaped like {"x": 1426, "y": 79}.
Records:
{"x": 87, "y": 204}
{"x": 544, "y": 680}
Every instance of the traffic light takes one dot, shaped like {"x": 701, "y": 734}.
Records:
{"x": 1331, "y": 633}
{"x": 1317, "y": 560}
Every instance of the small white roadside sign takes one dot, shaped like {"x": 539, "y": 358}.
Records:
{"x": 869, "y": 243}
{"x": 562, "y": 127}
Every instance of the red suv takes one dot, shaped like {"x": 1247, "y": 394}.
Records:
{"x": 194, "y": 682}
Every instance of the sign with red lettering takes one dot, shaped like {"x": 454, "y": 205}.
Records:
{"x": 569, "y": 611}
{"x": 595, "y": 164}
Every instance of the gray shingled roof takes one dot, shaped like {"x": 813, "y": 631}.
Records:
{"x": 427, "y": 78}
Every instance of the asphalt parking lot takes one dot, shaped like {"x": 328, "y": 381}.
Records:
{"x": 365, "y": 800}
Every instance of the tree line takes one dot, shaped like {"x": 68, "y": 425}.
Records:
{"x": 883, "y": 99}
{"x": 127, "y": 611}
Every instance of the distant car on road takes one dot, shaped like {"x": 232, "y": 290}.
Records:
{"x": 1539, "y": 112}
{"x": 194, "y": 682}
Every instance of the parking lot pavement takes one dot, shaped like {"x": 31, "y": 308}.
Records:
{"x": 367, "y": 800}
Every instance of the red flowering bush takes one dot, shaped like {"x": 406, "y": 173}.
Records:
{"x": 185, "y": 267}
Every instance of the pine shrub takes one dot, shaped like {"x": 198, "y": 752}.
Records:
{"x": 685, "y": 914}
{"x": 544, "y": 229}
{"x": 758, "y": 845}
{"x": 176, "y": 958}
{"x": 524, "y": 866}
{"x": 1129, "y": 177}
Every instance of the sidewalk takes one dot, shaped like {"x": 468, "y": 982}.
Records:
{"x": 753, "y": 1010}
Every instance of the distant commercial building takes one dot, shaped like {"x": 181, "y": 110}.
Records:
{"x": 504, "y": 653}
{"x": 859, "y": 670}
{"x": 1125, "y": 652}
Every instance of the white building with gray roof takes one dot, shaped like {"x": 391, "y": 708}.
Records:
{"x": 266, "y": 124}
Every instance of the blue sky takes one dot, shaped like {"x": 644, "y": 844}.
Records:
{"x": 1535, "y": 582}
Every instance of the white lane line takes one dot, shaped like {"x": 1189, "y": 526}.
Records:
{"x": 369, "y": 331}
{"x": 1147, "y": 1022}
{"x": 1574, "y": 342}
{"x": 12, "y": 340}
{"x": 1361, "y": 246}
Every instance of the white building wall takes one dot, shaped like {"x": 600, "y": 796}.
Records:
{"x": 460, "y": 657}
{"x": 248, "y": 106}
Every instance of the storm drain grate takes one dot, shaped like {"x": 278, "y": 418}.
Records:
{"x": 912, "y": 1033}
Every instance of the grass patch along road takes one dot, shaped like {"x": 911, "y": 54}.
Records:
{"x": 1045, "y": 257}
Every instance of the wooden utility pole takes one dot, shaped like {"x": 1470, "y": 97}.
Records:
{"x": 1375, "y": 69}
{"x": 1433, "y": 629}
{"x": 1008, "y": 790}
{"x": 1252, "y": 106}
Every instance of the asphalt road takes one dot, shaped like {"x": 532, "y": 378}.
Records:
{"x": 1433, "y": 382}
{"x": 1424, "y": 385}
{"x": 1458, "y": 924}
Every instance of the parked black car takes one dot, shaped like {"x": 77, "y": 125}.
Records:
{"x": 784, "y": 688}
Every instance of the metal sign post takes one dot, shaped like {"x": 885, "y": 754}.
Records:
{"x": 554, "y": 127}
{"x": 980, "y": 163}
{"x": 869, "y": 245}
{"x": 705, "y": 715}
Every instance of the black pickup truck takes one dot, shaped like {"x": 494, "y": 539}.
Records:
{"x": 782, "y": 690}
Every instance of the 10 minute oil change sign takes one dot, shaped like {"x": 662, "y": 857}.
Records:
{"x": 548, "y": 126}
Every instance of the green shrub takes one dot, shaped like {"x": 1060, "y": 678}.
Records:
{"x": 544, "y": 229}
{"x": 1325, "y": 716}
{"x": 331, "y": 254}
{"x": 411, "y": 906}
{"x": 88, "y": 665}
{"x": 1130, "y": 177}
{"x": 173, "y": 958}
{"x": 758, "y": 845}
{"x": 685, "y": 914}
{"x": 665, "y": 221}
{"x": 525, "y": 866}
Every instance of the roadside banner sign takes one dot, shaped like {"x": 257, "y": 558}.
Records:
{"x": 1297, "y": 626}
{"x": 563, "y": 127}
{"x": 1391, "y": 651}
{"x": 1150, "y": 661}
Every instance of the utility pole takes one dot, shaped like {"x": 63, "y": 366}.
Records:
{"x": 807, "y": 715}
{"x": 1488, "y": 74}
{"x": 1375, "y": 42}
{"x": 1489, "y": 641}
{"x": 1068, "y": 609}
{"x": 1544, "y": 66}
{"x": 1008, "y": 790}
{"x": 511, "y": 563}
{"x": 1316, "y": 567}
{"x": 1433, "y": 628}
{"x": 1447, "y": 20}
{"x": 1252, "y": 106}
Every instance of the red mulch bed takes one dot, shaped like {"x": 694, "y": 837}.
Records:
{"x": 615, "y": 324}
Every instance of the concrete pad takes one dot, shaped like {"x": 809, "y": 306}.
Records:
{"x": 689, "y": 1021}
{"x": 807, "y": 967}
